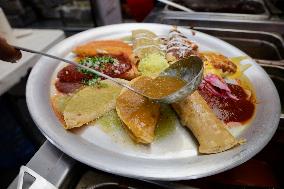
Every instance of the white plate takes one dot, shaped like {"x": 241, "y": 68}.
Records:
{"x": 174, "y": 157}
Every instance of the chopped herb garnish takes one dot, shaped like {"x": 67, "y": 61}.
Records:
{"x": 92, "y": 81}
{"x": 97, "y": 63}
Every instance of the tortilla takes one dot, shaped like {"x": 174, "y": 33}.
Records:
{"x": 210, "y": 132}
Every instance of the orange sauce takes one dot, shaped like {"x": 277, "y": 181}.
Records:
{"x": 93, "y": 48}
{"x": 162, "y": 86}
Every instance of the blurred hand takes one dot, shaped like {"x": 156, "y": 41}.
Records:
{"x": 9, "y": 53}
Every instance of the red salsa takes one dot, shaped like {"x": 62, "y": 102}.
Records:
{"x": 67, "y": 87}
{"x": 229, "y": 109}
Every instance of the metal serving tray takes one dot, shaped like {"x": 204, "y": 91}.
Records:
{"x": 208, "y": 21}
{"x": 199, "y": 4}
{"x": 259, "y": 45}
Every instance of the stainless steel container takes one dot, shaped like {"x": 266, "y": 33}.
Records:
{"x": 223, "y": 9}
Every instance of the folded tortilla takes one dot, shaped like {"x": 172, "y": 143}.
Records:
{"x": 145, "y": 42}
{"x": 90, "y": 103}
{"x": 210, "y": 132}
{"x": 139, "y": 114}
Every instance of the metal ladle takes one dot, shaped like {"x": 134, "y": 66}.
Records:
{"x": 189, "y": 69}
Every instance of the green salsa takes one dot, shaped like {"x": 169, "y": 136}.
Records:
{"x": 110, "y": 122}
{"x": 167, "y": 122}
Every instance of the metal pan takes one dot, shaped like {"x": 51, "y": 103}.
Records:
{"x": 252, "y": 9}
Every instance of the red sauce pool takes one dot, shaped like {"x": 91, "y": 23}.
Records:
{"x": 67, "y": 87}
{"x": 71, "y": 74}
{"x": 228, "y": 109}
{"x": 69, "y": 79}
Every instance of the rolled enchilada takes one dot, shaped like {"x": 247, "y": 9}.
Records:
{"x": 210, "y": 132}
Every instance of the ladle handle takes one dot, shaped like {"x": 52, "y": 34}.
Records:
{"x": 81, "y": 66}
